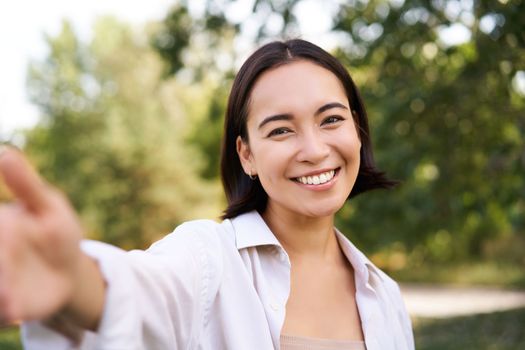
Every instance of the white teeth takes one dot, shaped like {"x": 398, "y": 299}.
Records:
{"x": 317, "y": 179}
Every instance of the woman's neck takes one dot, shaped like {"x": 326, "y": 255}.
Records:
{"x": 303, "y": 237}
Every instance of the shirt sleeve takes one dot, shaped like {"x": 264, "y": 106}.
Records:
{"x": 157, "y": 298}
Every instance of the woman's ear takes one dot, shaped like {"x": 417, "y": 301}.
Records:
{"x": 245, "y": 156}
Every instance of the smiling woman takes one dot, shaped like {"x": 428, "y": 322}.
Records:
{"x": 277, "y": 97}
{"x": 274, "y": 274}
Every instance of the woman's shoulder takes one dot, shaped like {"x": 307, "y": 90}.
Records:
{"x": 388, "y": 281}
{"x": 199, "y": 233}
{"x": 360, "y": 261}
{"x": 202, "y": 226}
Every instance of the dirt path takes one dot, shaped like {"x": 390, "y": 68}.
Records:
{"x": 442, "y": 301}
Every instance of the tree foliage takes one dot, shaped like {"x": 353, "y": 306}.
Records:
{"x": 113, "y": 136}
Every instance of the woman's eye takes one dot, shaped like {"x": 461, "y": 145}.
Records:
{"x": 279, "y": 131}
{"x": 332, "y": 120}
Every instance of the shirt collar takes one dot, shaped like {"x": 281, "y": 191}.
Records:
{"x": 251, "y": 231}
{"x": 361, "y": 264}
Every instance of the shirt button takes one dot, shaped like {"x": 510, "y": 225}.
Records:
{"x": 274, "y": 306}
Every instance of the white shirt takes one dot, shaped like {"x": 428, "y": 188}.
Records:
{"x": 214, "y": 285}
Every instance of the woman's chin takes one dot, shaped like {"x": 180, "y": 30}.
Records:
{"x": 322, "y": 212}
{"x": 308, "y": 209}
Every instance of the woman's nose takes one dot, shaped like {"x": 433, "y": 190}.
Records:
{"x": 313, "y": 148}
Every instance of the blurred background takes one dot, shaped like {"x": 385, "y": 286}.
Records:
{"x": 121, "y": 106}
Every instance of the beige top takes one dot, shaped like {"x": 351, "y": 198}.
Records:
{"x": 289, "y": 342}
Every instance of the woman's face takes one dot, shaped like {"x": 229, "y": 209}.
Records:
{"x": 303, "y": 143}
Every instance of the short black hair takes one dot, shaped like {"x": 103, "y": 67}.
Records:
{"x": 242, "y": 193}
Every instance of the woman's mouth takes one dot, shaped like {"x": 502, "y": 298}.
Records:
{"x": 317, "y": 179}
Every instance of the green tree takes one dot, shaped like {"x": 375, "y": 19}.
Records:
{"x": 112, "y": 136}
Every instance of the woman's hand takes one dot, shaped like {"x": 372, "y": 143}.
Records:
{"x": 43, "y": 272}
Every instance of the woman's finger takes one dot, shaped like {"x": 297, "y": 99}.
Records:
{"x": 23, "y": 180}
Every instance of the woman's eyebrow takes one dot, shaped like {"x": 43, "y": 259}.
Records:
{"x": 287, "y": 116}
{"x": 330, "y": 106}
{"x": 272, "y": 118}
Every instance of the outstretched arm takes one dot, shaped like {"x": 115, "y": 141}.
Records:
{"x": 158, "y": 298}
{"x": 43, "y": 272}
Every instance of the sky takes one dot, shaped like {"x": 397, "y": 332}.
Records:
{"x": 22, "y": 27}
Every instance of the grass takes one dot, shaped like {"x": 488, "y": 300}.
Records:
{"x": 10, "y": 339}
{"x": 503, "y": 330}
{"x": 495, "y": 331}
{"x": 476, "y": 273}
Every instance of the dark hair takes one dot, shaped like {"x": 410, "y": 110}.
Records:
{"x": 244, "y": 194}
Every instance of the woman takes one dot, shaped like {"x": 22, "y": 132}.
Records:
{"x": 274, "y": 274}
